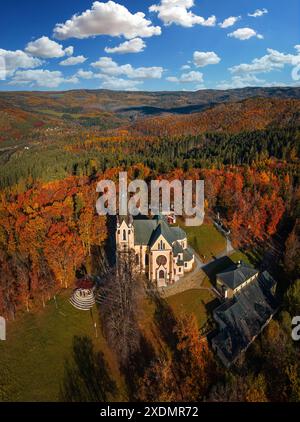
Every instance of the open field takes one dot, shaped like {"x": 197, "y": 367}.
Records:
{"x": 198, "y": 302}
{"x": 221, "y": 264}
{"x": 205, "y": 240}
{"x": 33, "y": 357}
{"x": 32, "y": 360}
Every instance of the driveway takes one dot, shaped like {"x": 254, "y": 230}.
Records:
{"x": 192, "y": 280}
{"x": 195, "y": 279}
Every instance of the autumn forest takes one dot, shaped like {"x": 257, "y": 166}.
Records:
{"x": 55, "y": 147}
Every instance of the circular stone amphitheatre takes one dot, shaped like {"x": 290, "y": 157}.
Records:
{"x": 83, "y": 297}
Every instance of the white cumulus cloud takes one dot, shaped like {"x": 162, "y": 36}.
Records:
{"x": 297, "y": 47}
{"x": 172, "y": 79}
{"x": 258, "y": 13}
{"x": 119, "y": 84}
{"x": 241, "y": 81}
{"x": 47, "y": 49}
{"x": 202, "y": 58}
{"x": 229, "y": 21}
{"x": 72, "y": 61}
{"x": 136, "y": 45}
{"x": 107, "y": 66}
{"x": 40, "y": 78}
{"x": 188, "y": 77}
{"x": 14, "y": 60}
{"x": 106, "y": 19}
{"x": 245, "y": 34}
{"x": 85, "y": 74}
{"x": 273, "y": 60}
{"x": 178, "y": 12}
{"x": 69, "y": 51}
{"x": 191, "y": 76}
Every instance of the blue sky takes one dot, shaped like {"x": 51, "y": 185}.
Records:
{"x": 149, "y": 44}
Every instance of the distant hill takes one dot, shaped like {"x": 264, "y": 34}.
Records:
{"x": 24, "y": 112}
{"x": 136, "y": 103}
{"x": 235, "y": 117}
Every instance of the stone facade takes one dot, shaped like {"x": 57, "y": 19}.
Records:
{"x": 249, "y": 305}
{"x": 234, "y": 279}
{"x": 161, "y": 250}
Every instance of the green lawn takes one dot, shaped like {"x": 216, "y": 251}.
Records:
{"x": 198, "y": 302}
{"x": 206, "y": 240}
{"x": 251, "y": 257}
{"x": 223, "y": 263}
{"x": 32, "y": 359}
{"x": 240, "y": 256}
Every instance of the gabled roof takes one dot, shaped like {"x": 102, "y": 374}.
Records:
{"x": 143, "y": 230}
{"x": 148, "y": 231}
{"x": 178, "y": 233}
{"x": 237, "y": 275}
{"x": 187, "y": 255}
{"x": 243, "y": 317}
{"x": 164, "y": 230}
{"x": 177, "y": 248}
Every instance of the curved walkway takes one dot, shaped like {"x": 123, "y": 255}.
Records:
{"x": 82, "y": 300}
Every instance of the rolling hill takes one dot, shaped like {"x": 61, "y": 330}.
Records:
{"x": 130, "y": 104}
{"x": 234, "y": 117}
{"x": 23, "y": 114}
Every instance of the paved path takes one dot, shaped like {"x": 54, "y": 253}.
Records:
{"x": 229, "y": 247}
{"x": 195, "y": 279}
{"x": 192, "y": 280}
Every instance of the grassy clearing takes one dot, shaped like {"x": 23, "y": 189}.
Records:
{"x": 33, "y": 357}
{"x": 252, "y": 257}
{"x": 205, "y": 240}
{"x": 198, "y": 302}
{"x": 220, "y": 265}
{"x": 32, "y": 360}
{"x": 240, "y": 256}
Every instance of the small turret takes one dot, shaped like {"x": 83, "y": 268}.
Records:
{"x": 125, "y": 233}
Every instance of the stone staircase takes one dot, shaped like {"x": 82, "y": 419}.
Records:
{"x": 83, "y": 300}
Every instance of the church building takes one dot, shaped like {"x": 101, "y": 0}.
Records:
{"x": 161, "y": 250}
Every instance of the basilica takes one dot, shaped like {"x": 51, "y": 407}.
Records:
{"x": 161, "y": 250}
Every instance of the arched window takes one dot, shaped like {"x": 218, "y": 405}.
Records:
{"x": 124, "y": 235}
{"x": 161, "y": 246}
{"x": 161, "y": 274}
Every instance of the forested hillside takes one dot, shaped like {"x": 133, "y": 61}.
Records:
{"x": 236, "y": 133}
{"x": 248, "y": 115}
{"x": 247, "y": 152}
{"x": 54, "y": 149}
{"x": 110, "y": 109}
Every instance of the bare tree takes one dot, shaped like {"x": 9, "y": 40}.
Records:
{"x": 8, "y": 287}
{"x": 120, "y": 299}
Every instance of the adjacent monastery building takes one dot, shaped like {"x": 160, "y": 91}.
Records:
{"x": 249, "y": 303}
{"x": 161, "y": 250}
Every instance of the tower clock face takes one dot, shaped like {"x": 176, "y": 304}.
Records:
{"x": 161, "y": 260}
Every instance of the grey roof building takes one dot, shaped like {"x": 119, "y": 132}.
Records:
{"x": 237, "y": 275}
{"x": 242, "y": 317}
{"x": 162, "y": 250}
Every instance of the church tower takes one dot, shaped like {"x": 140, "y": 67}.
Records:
{"x": 125, "y": 233}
